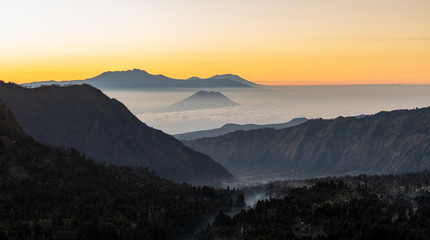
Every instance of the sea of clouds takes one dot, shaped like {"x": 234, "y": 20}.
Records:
{"x": 271, "y": 104}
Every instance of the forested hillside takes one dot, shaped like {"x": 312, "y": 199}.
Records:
{"x": 48, "y": 192}
{"x": 362, "y": 207}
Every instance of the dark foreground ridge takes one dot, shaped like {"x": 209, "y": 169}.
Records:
{"x": 57, "y": 193}
{"x": 82, "y": 117}
{"x": 387, "y": 142}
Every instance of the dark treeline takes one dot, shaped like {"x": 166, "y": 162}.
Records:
{"x": 360, "y": 207}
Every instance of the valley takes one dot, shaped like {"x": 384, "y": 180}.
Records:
{"x": 215, "y": 120}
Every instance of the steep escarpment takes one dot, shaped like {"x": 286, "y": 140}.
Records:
{"x": 387, "y": 142}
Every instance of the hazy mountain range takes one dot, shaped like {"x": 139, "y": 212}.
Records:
{"x": 200, "y": 100}
{"x": 231, "y": 127}
{"x": 140, "y": 79}
{"x": 387, "y": 142}
{"x": 82, "y": 117}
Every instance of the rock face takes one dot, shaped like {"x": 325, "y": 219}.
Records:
{"x": 228, "y": 128}
{"x": 139, "y": 79}
{"x": 200, "y": 100}
{"x": 387, "y": 142}
{"x": 82, "y": 117}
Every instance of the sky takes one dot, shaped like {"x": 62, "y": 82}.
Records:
{"x": 273, "y": 42}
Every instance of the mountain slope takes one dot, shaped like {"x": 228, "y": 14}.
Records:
{"x": 140, "y": 79}
{"x": 234, "y": 78}
{"x": 228, "y": 128}
{"x": 48, "y": 193}
{"x": 82, "y": 117}
{"x": 200, "y": 100}
{"x": 388, "y": 142}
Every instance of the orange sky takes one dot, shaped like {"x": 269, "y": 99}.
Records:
{"x": 269, "y": 42}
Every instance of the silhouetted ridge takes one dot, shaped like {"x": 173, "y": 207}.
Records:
{"x": 139, "y": 79}
{"x": 57, "y": 193}
{"x": 82, "y": 117}
{"x": 235, "y": 78}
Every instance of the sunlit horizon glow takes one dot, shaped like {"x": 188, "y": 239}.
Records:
{"x": 275, "y": 42}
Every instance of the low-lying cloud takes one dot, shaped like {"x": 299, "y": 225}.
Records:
{"x": 274, "y": 105}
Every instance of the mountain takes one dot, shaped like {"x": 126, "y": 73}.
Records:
{"x": 232, "y": 77}
{"x": 200, "y": 100}
{"x": 82, "y": 117}
{"x": 139, "y": 79}
{"x": 230, "y": 127}
{"x": 387, "y": 142}
{"x": 235, "y": 78}
{"x": 56, "y": 193}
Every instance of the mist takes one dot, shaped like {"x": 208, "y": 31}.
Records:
{"x": 264, "y": 105}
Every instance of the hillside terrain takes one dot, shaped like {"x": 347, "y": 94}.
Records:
{"x": 387, "y": 142}
{"x": 82, "y": 117}
{"x": 58, "y": 193}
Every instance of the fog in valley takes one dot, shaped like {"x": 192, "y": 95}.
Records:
{"x": 275, "y": 104}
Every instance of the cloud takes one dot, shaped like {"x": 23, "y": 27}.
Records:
{"x": 275, "y": 105}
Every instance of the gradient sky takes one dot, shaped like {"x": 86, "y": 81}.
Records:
{"x": 269, "y": 42}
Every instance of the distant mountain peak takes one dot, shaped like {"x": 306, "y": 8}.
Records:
{"x": 133, "y": 71}
{"x": 200, "y": 100}
{"x": 194, "y": 78}
{"x": 227, "y": 75}
{"x": 211, "y": 94}
{"x": 137, "y": 78}
{"x": 235, "y": 78}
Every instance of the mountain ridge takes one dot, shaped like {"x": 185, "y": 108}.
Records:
{"x": 136, "y": 78}
{"x": 231, "y": 127}
{"x": 82, "y": 117}
{"x": 235, "y": 78}
{"x": 58, "y": 193}
{"x": 387, "y": 142}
